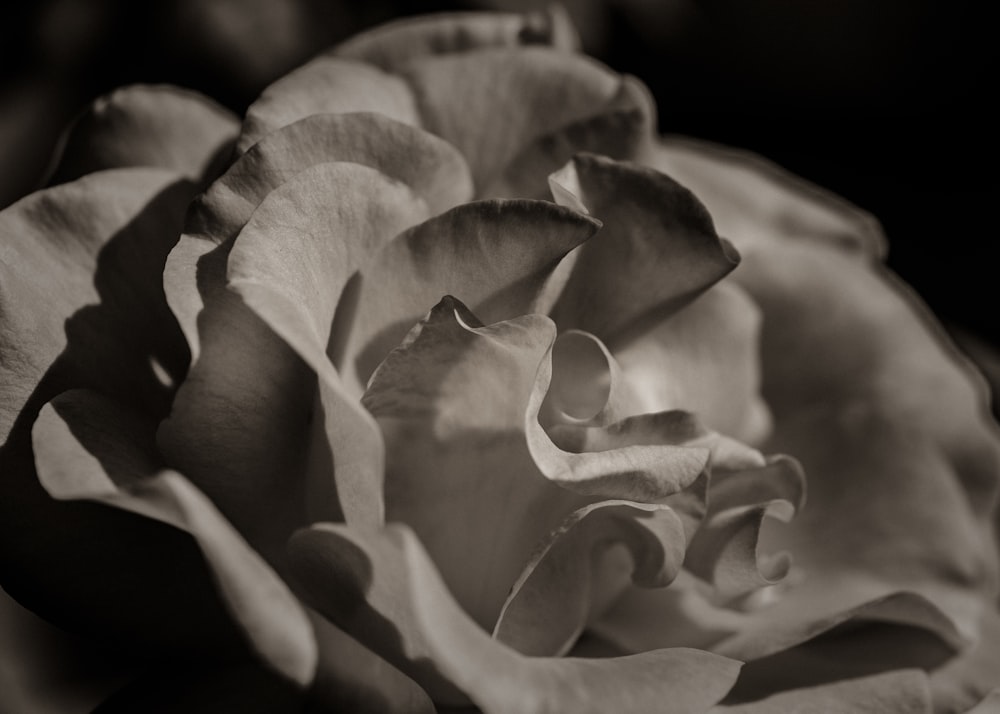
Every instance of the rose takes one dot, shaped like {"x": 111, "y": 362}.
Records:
{"x": 559, "y": 465}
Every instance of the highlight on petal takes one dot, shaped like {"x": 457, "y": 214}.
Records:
{"x": 492, "y": 103}
{"x": 196, "y": 268}
{"x": 656, "y": 252}
{"x": 150, "y": 125}
{"x": 493, "y": 474}
{"x": 583, "y": 566}
{"x": 80, "y": 296}
{"x": 704, "y": 359}
{"x": 393, "y": 44}
{"x": 902, "y": 692}
{"x": 496, "y": 256}
{"x": 327, "y": 85}
{"x": 753, "y": 200}
{"x": 88, "y": 447}
{"x": 383, "y": 586}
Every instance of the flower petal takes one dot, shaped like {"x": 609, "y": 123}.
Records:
{"x": 327, "y": 85}
{"x": 497, "y": 256}
{"x": 150, "y": 125}
{"x": 450, "y": 461}
{"x": 703, "y": 359}
{"x": 393, "y": 44}
{"x": 196, "y": 268}
{"x": 383, "y": 585}
{"x": 752, "y": 199}
{"x": 585, "y": 564}
{"x": 651, "y": 225}
{"x": 621, "y": 129}
{"x": 88, "y": 447}
{"x": 80, "y": 296}
{"x": 902, "y": 692}
{"x": 492, "y": 103}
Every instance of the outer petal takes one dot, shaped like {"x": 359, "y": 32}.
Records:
{"x": 903, "y": 692}
{"x": 496, "y": 256}
{"x": 584, "y": 565}
{"x": 383, "y": 586}
{"x": 90, "y": 448}
{"x": 394, "y": 44}
{"x": 657, "y": 251}
{"x": 150, "y": 125}
{"x": 493, "y": 474}
{"x": 509, "y": 98}
{"x": 80, "y": 302}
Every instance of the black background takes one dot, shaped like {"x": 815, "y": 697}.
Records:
{"x": 887, "y": 102}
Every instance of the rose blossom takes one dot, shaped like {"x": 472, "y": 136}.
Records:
{"x": 434, "y": 384}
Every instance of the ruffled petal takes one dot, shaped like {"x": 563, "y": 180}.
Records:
{"x": 150, "y": 125}
{"x": 87, "y": 447}
{"x": 492, "y": 103}
{"x": 196, "y": 268}
{"x": 656, "y": 252}
{"x": 80, "y": 296}
{"x": 752, "y": 199}
{"x": 496, "y": 256}
{"x": 393, "y": 44}
{"x": 703, "y": 359}
{"x": 583, "y": 566}
{"x": 494, "y": 474}
{"x": 902, "y": 692}
{"x": 328, "y": 85}
{"x": 383, "y": 586}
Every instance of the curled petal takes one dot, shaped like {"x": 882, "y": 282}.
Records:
{"x": 327, "y": 85}
{"x": 451, "y": 461}
{"x": 509, "y": 98}
{"x": 496, "y": 256}
{"x": 655, "y": 232}
{"x": 89, "y": 448}
{"x": 902, "y": 692}
{"x": 583, "y": 565}
{"x": 196, "y": 268}
{"x": 383, "y": 586}
{"x": 393, "y": 44}
{"x": 150, "y": 125}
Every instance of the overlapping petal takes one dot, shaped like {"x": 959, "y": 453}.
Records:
{"x": 90, "y": 448}
{"x": 150, "y": 125}
{"x": 383, "y": 586}
{"x": 656, "y": 234}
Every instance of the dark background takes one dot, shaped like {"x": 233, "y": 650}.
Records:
{"x": 887, "y": 102}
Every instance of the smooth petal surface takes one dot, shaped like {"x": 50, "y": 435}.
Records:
{"x": 903, "y": 692}
{"x": 496, "y": 256}
{"x": 703, "y": 359}
{"x": 328, "y": 85}
{"x": 80, "y": 300}
{"x": 196, "y": 268}
{"x": 88, "y": 447}
{"x": 150, "y": 125}
{"x": 383, "y": 587}
{"x": 493, "y": 473}
{"x": 585, "y": 564}
{"x": 509, "y": 98}
{"x": 752, "y": 199}
{"x": 393, "y": 44}
{"x": 656, "y": 252}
